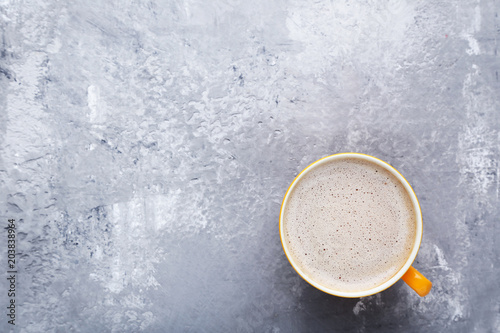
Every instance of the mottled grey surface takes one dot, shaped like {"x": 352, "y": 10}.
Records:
{"x": 145, "y": 147}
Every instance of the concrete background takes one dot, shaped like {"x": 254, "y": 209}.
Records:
{"x": 146, "y": 147}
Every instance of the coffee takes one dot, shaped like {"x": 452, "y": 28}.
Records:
{"x": 349, "y": 224}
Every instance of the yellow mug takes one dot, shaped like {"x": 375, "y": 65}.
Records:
{"x": 409, "y": 274}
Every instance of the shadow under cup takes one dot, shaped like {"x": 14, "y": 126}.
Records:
{"x": 410, "y": 275}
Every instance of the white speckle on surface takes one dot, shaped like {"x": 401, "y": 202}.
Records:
{"x": 478, "y": 141}
{"x": 443, "y": 264}
{"x": 54, "y": 46}
{"x": 367, "y": 303}
{"x": 360, "y": 306}
{"x": 92, "y": 102}
{"x": 146, "y": 147}
{"x": 474, "y": 28}
{"x": 473, "y": 44}
{"x": 148, "y": 320}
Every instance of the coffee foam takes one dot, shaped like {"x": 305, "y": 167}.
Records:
{"x": 349, "y": 225}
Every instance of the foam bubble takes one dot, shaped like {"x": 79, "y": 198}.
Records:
{"x": 350, "y": 224}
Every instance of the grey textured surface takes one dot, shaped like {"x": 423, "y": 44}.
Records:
{"x": 146, "y": 147}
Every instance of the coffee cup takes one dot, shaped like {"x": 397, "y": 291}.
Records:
{"x": 351, "y": 226}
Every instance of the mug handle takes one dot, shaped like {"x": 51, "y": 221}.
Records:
{"x": 417, "y": 281}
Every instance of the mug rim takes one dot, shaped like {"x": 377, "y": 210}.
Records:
{"x": 418, "y": 235}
